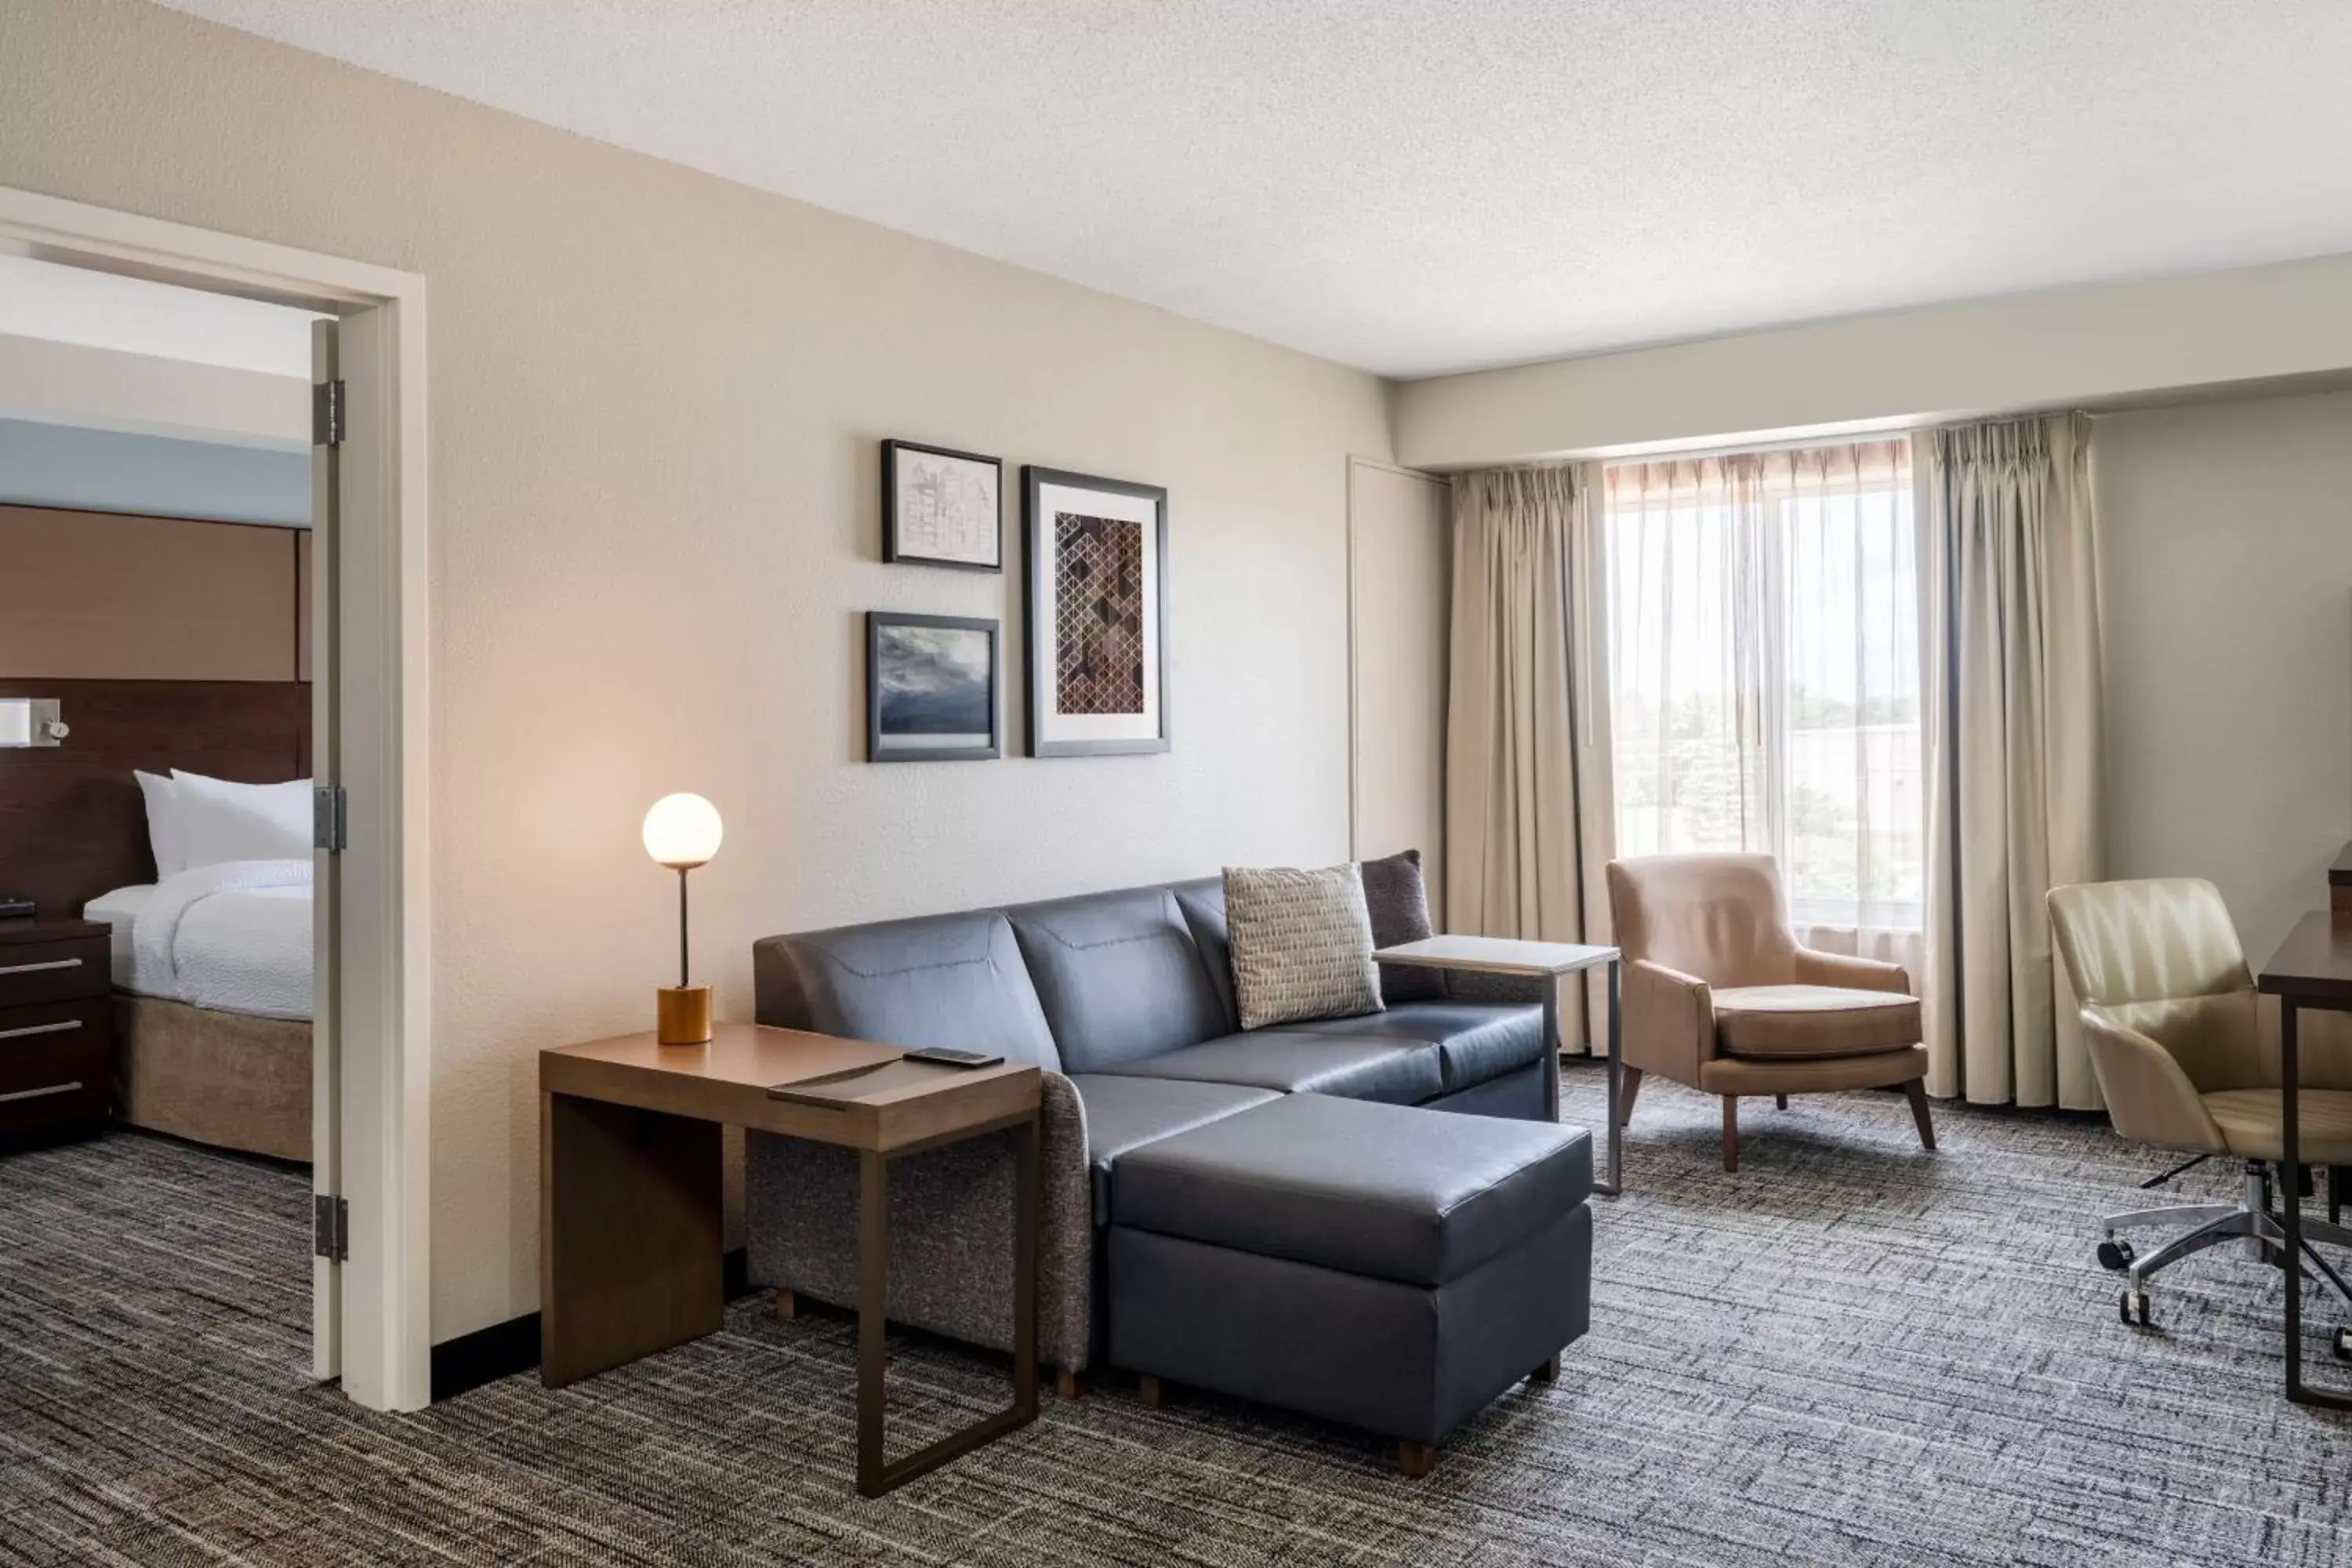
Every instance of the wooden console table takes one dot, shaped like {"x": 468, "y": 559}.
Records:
{"x": 630, "y": 1254}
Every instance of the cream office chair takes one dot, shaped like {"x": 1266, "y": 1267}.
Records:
{"x": 2169, "y": 1018}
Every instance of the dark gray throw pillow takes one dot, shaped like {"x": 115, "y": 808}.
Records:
{"x": 1398, "y": 905}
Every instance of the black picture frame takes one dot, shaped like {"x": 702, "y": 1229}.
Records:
{"x": 879, "y": 747}
{"x": 894, "y": 547}
{"x": 1037, "y": 641}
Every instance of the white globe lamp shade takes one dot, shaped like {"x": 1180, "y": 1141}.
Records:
{"x": 682, "y": 831}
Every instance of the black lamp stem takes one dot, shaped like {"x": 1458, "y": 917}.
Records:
{"x": 681, "y": 926}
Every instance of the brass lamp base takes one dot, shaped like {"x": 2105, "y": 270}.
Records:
{"x": 684, "y": 1014}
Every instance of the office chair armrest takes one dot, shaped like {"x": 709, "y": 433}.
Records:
{"x": 1669, "y": 1020}
{"x": 2149, "y": 1099}
{"x": 1854, "y": 974}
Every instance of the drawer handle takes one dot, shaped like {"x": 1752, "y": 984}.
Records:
{"x": 70, "y": 1023}
{"x": 38, "y": 968}
{"x": 39, "y": 1093}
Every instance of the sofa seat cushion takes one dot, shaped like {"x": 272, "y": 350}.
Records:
{"x": 1301, "y": 1061}
{"x": 1476, "y": 1041}
{"x": 1390, "y": 1192}
{"x": 1797, "y": 1021}
{"x": 1125, "y": 1113}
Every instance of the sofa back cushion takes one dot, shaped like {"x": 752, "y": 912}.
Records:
{"x": 943, "y": 980}
{"x": 1118, "y": 975}
{"x": 1202, "y": 899}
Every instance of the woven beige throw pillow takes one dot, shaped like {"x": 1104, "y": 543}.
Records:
{"x": 1302, "y": 944}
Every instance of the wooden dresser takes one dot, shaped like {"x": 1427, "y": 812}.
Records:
{"x": 57, "y": 1028}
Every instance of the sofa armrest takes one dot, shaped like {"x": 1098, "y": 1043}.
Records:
{"x": 951, "y": 1230}
{"x": 1668, "y": 1020}
{"x": 1854, "y": 974}
{"x": 2149, "y": 1097}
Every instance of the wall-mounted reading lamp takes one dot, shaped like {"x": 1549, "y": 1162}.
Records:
{"x": 30, "y": 721}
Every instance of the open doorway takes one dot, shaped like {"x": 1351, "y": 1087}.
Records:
{"x": 207, "y": 495}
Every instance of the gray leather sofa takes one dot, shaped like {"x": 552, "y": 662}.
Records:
{"x": 1126, "y": 998}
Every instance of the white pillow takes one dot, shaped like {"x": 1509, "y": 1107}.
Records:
{"x": 223, "y": 821}
{"x": 162, "y": 823}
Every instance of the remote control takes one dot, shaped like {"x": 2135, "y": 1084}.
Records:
{"x": 954, "y": 1058}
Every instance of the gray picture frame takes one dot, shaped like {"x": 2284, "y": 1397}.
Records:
{"x": 1038, "y": 650}
{"x": 885, "y": 744}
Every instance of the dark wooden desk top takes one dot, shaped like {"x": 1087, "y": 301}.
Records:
{"x": 890, "y": 1107}
{"x": 2339, "y": 875}
{"x": 2313, "y": 964}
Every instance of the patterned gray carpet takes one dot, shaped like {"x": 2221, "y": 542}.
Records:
{"x": 1850, "y": 1352}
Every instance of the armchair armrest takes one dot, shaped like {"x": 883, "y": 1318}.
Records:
{"x": 2149, "y": 1098}
{"x": 1668, "y": 1020}
{"x": 1854, "y": 974}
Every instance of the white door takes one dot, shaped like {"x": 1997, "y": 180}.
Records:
{"x": 326, "y": 774}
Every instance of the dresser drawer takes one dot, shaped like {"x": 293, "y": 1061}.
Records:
{"x": 34, "y": 972}
{"x": 53, "y": 1061}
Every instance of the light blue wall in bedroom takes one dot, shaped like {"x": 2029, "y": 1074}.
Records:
{"x": 154, "y": 476}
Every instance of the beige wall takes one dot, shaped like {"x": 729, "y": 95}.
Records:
{"x": 2226, "y": 586}
{"x": 1400, "y": 577}
{"x": 2068, "y": 348}
{"x": 655, "y": 400}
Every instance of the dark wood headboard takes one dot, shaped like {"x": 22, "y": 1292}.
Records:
{"x": 72, "y": 822}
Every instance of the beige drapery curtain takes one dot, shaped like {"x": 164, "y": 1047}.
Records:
{"x": 2010, "y": 648}
{"x": 1528, "y": 817}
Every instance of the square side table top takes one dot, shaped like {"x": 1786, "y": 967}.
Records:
{"x": 1496, "y": 955}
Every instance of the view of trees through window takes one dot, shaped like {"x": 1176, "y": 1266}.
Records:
{"x": 1765, "y": 671}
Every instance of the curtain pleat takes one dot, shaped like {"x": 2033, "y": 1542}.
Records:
{"x": 2008, "y": 533}
{"x": 1528, "y": 808}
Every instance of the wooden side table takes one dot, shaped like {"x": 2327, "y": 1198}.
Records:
{"x": 630, "y": 1250}
{"x": 1547, "y": 962}
{"x": 56, "y": 1027}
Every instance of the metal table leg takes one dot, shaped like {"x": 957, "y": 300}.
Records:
{"x": 1551, "y": 1046}
{"x": 2291, "y": 1198}
{"x": 876, "y": 1473}
{"x": 1615, "y": 1182}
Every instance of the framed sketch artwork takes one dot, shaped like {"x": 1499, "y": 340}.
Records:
{"x": 941, "y": 507}
{"x": 1095, "y": 596}
{"x": 931, "y": 688}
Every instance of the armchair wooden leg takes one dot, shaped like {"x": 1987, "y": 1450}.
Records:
{"x": 1630, "y": 1085}
{"x": 1917, "y": 1089}
{"x": 1731, "y": 1133}
{"x": 1416, "y": 1459}
{"x": 1068, "y": 1384}
{"x": 786, "y": 1307}
{"x": 1779, "y": 1102}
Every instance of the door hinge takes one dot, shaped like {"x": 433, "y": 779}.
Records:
{"x": 330, "y": 819}
{"x": 331, "y": 1228}
{"x": 326, "y": 413}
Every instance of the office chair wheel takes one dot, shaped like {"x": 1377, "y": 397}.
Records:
{"x": 2134, "y": 1305}
{"x": 2116, "y": 1254}
{"x": 2343, "y": 1344}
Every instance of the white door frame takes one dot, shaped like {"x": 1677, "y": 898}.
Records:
{"x": 383, "y": 971}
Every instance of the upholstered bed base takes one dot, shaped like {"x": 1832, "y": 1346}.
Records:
{"x": 225, "y": 1079}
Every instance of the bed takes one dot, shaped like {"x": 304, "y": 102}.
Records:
{"x": 212, "y": 973}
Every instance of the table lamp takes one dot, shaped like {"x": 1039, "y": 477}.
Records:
{"x": 682, "y": 831}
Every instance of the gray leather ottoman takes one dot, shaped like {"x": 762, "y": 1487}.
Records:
{"x": 1390, "y": 1268}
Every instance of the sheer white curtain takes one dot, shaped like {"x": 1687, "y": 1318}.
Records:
{"x": 1764, "y": 674}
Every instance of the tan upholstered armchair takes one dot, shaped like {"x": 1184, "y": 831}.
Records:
{"x": 2168, "y": 1010}
{"x": 1718, "y": 996}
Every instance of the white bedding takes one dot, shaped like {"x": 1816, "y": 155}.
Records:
{"x": 234, "y": 936}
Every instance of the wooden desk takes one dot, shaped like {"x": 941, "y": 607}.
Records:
{"x": 1546, "y": 962}
{"x": 630, "y": 1256}
{"x": 2312, "y": 968}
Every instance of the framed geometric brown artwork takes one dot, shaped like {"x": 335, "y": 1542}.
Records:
{"x": 1095, "y": 606}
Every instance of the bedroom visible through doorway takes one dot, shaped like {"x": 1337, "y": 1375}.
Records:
{"x": 161, "y": 602}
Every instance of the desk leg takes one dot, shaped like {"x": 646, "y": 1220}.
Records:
{"x": 1551, "y": 1047}
{"x": 2290, "y": 1194}
{"x": 1614, "y": 1183}
{"x": 629, "y": 1253}
{"x": 876, "y": 1472}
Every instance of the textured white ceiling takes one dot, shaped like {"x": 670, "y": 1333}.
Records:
{"x": 1423, "y": 186}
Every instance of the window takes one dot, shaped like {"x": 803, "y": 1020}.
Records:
{"x": 1764, "y": 668}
